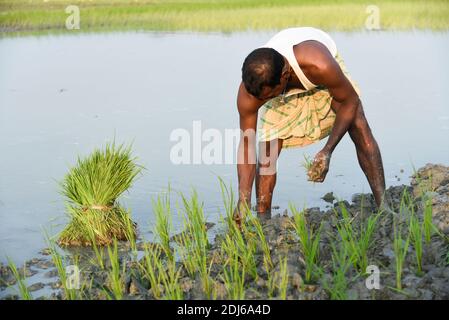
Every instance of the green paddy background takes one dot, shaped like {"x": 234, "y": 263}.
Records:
{"x": 39, "y": 16}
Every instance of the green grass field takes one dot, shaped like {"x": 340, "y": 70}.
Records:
{"x": 49, "y": 16}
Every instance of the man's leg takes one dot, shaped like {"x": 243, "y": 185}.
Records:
{"x": 266, "y": 175}
{"x": 368, "y": 154}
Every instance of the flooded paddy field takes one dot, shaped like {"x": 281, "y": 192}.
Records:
{"x": 62, "y": 96}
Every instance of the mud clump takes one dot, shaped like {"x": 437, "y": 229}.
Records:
{"x": 434, "y": 180}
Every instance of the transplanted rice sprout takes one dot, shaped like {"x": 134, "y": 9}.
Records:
{"x": 92, "y": 188}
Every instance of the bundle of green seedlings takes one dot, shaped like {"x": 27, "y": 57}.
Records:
{"x": 92, "y": 188}
{"x": 313, "y": 171}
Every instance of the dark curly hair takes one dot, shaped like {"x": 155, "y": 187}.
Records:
{"x": 262, "y": 67}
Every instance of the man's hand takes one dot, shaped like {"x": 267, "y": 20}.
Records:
{"x": 237, "y": 216}
{"x": 320, "y": 166}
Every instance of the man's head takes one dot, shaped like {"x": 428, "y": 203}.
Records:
{"x": 265, "y": 73}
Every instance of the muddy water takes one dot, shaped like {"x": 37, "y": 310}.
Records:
{"x": 61, "y": 96}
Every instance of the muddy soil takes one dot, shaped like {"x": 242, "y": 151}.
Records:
{"x": 430, "y": 182}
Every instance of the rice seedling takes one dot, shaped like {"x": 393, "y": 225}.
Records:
{"x": 131, "y": 235}
{"x": 188, "y": 255}
{"x": 307, "y": 162}
{"x": 195, "y": 242}
{"x": 115, "y": 276}
{"x": 312, "y": 171}
{"x": 247, "y": 246}
{"x": 271, "y": 284}
{"x": 341, "y": 263}
{"x": 234, "y": 276}
{"x": 70, "y": 290}
{"x": 207, "y": 281}
{"x": 163, "y": 275}
{"x": 195, "y": 221}
{"x": 91, "y": 189}
{"x": 195, "y": 260}
{"x": 162, "y": 210}
{"x": 86, "y": 289}
{"x": 401, "y": 244}
{"x": 217, "y": 292}
{"x": 400, "y": 248}
{"x": 245, "y": 250}
{"x": 98, "y": 252}
{"x": 233, "y": 223}
{"x": 262, "y": 241}
{"x": 240, "y": 238}
{"x": 239, "y": 248}
{"x": 358, "y": 242}
{"x": 229, "y": 204}
{"x": 425, "y": 192}
{"x": 416, "y": 235}
{"x": 309, "y": 241}
{"x": 20, "y": 280}
{"x": 277, "y": 281}
{"x": 78, "y": 281}
{"x": 170, "y": 280}
{"x": 365, "y": 242}
{"x": 283, "y": 275}
{"x": 61, "y": 266}
{"x": 150, "y": 268}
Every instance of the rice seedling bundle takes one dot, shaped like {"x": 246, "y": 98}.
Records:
{"x": 91, "y": 189}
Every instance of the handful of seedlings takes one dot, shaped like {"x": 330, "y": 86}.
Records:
{"x": 313, "y": 170}
{"x": 91, "y": 189}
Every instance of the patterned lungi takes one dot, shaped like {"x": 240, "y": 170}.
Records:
{"x": 301, "y": 118}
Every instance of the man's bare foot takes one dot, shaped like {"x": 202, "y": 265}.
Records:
{"x": 386, "y": 207}
{"x": 264, "y": 216}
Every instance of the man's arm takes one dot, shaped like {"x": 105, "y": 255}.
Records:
{"x": 248, "y": 107}
{"x": 324, "y": 70}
